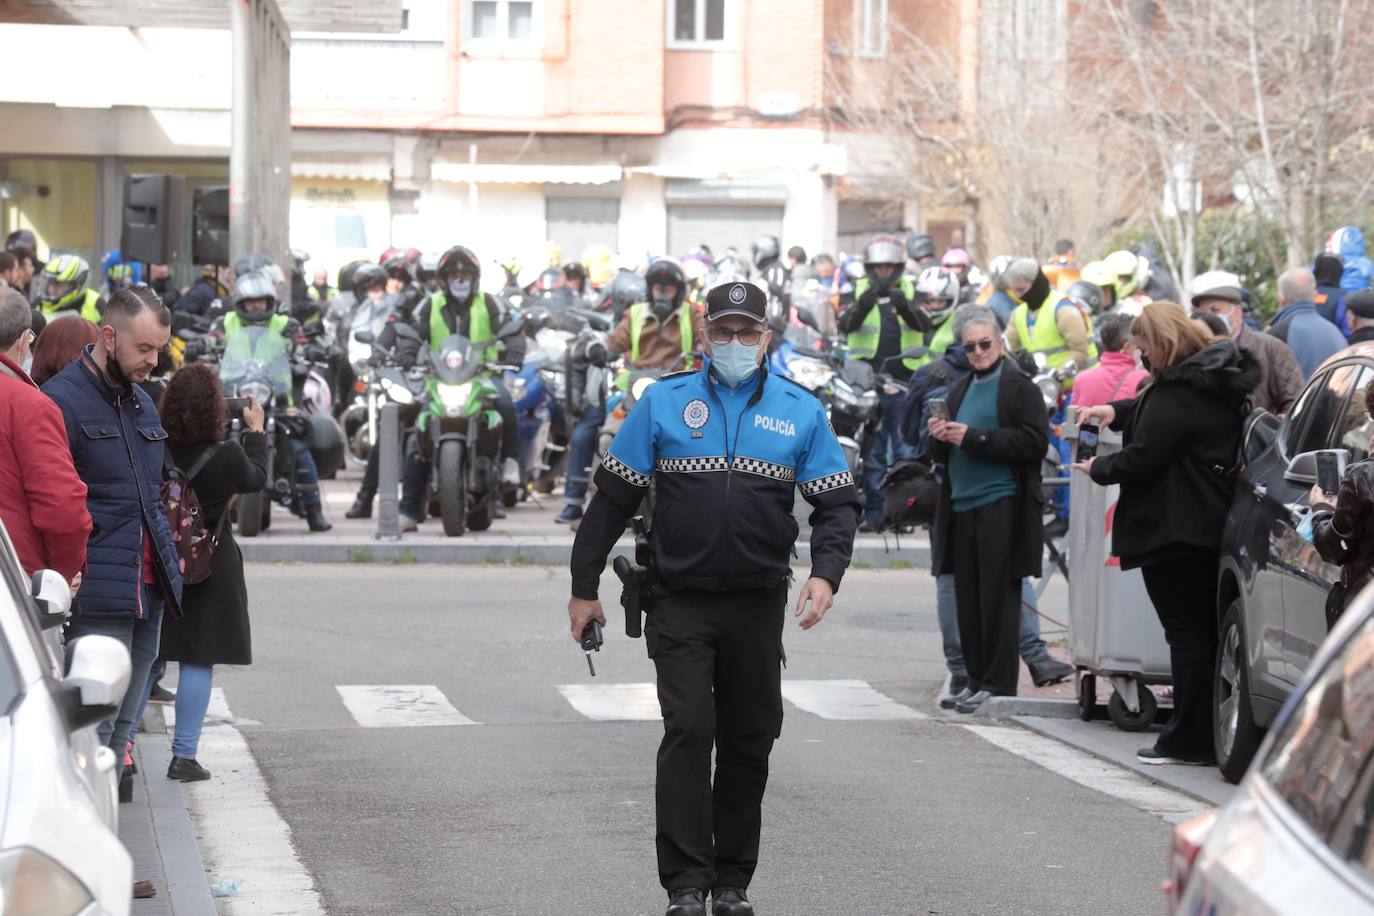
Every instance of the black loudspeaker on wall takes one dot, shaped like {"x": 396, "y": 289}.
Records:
{"x": 210, "y": 225}
{"x": 154, "y": 220}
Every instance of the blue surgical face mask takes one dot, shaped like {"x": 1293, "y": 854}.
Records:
{"x": 460, "y": 288}
{"x": 734, "y": 362}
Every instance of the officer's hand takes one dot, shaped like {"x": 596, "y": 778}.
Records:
{"x": 581, "y": 612}
{"x": 821, "y": 595}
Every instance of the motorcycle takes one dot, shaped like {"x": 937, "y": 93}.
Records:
{"x": 539, "y": 390}
{"x": 385, "y": 380}
{"x": 461, "y": 430}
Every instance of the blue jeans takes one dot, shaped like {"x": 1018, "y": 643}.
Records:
{"x": 581, "y": 453}
{"x": 887, "y": 447}
{"x": 1032, "y": 647}
{"x": 193, "y": 699}
{"x": 307, "y": 475}
{"x": 1059, "y": 499}
{"x": 141, "y": 638}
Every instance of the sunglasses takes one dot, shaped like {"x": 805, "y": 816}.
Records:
{"x": 985, "y": 345}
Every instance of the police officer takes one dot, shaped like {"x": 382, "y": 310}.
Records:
{"x": 658, "y": 334}
{"x": 461, "y": 308}
{"x": 725, "y": 445}
{"x": 883, "y": 321}
{"x": 64, "y": 289}
{"x": 255, "y": 305}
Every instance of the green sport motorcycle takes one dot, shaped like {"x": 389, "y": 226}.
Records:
{"x": 460, "y": 430}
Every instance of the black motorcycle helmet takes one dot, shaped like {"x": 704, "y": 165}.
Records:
{"x": 627, "y": 288}
{"x": 574, "y": 270}
{"x": 364, "y": 276}
{"x": 250, "y": 263}
{"x": 345, "y": 281}
{"x": 919, "y": 247}
{"x": 250, "y": 286}
{"x": 765, "y": 248}
{"x": 22, "y": 243}
{"x": 1087, "y": 295}
{"x": 665, "y": 270}
{"x": 398, "y": 268}
{"x": 459, "y": 260}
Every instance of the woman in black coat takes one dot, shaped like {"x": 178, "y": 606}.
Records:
{"x": 1176, "y": 469}
{"x": 990, "y": 516}
{"x": 213, "y": 629}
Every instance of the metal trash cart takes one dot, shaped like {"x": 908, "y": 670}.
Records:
{"x": 1114, "y": 632}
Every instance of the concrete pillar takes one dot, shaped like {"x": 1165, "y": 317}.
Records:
{"x": 643, "y": 215}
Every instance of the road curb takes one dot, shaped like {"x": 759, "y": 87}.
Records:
{"x": 1009, "y": 707}
{"x": 477, "y": 550}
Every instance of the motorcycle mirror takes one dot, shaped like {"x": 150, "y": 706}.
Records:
{"x": 805, "y": 316}
{"x": 404, "y": 331}
{"x": 913, "y": 352}
{"x": 364, "y": 337}
{"x": 511, "y": 328}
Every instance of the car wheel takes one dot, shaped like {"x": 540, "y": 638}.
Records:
{"x": 1235, "y": 735}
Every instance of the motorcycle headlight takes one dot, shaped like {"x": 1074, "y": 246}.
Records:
{"x": 640, "y": 386}
{"x": 398, "y": 393}
{"x": 811, "y": 374}
{"x": 31, "y": 882}
{"x": 454, "y": 398}
{"x": 259, "y": 391}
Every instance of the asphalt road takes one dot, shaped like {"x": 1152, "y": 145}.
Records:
{"x": 540, "y": 809}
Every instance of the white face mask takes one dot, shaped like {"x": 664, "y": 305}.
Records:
{"x": 460, "y": 288}
{"x": 734, "y": 362}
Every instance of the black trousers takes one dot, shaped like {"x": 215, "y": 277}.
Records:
{"x": 720, "y": 683}
{"x": 1184, "y": 592}
{"x": 987, "y": 596}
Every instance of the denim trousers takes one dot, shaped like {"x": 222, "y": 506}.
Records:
{"x": 140, "y": 637}
{"x": 307, "y": 474}
{"x": 1032, "y": 647}
{"x": 581, "y": 453}
{"x": 887, "y": 447}
{"x": 193, "y": 699}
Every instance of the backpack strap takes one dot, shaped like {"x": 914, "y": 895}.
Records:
{"x": 200, "y": 463}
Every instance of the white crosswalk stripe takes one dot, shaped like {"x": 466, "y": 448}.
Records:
{"x": 845, "y": 699}
{"x": 400, "y": 706}
{"x": 614, "y": 702}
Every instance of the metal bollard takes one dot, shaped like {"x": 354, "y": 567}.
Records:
{"x": 388, "y": 473}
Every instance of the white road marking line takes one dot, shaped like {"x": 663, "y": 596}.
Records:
{"x": 400, "y": 706}
{"x": 1087, "y": 770}
{"x": 216, "y": 714}
{"x": 240, "y": 833}
{"x": 614, "y": 702}
{"x": 845, "y": 699}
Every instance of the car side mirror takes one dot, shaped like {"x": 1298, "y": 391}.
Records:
{"x": 1302, "y": 468}
{"x": 364, "y": 337}
{"x": 97, "y": 678}
{"x": 53, "y": 597}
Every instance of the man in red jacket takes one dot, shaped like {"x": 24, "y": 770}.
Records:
{"x": 42, "y": 500}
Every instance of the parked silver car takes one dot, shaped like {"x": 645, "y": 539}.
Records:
{"x": 1271, "y": 595}
{"x": 1298, "y": 837}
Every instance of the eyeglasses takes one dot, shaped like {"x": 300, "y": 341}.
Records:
{"x": 749, "y": 336}
{"x": 985, "y": 345}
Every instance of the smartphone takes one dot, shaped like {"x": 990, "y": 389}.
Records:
{"x": 939, "y": 409}
{"x": 1330, "y": 469}
{"x": 238, "y": 405}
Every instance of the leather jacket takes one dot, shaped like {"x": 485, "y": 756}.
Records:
{"x": 1346, "y": 536}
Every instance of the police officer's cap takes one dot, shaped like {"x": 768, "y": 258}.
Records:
{"x": 1360, "y": 303}
{"x": 737, "y": 298}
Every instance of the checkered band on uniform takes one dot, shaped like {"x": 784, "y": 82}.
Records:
{"x": 765, "y": 468}
{"x": 826, "y": 484}
{"x": 692, "y": 465}
{"x": 624, "y": 471}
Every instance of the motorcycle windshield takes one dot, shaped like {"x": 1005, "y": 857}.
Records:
{"x": 549, "y": 347}
{"x": 256, "y": 358}
{"x": 455, "y": 361}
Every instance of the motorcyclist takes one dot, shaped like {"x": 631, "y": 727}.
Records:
{"x": 427, "y": 273}
{"x": 255, "y": 305}
{"x": 401, "y": 283}
{"x": 320, "y": 290}
{"x": 772, "y": 274}
{"x": 575, "y": 282}
{"x": 1131, "y": 272}
{"x": 958, "y": 260}
{"x": 64, "y": 289}
{"x": 884, "y": 320}
{"x": 210, "y": 287}
{"x": 461, "y": 308}
{"x": 660, "y": 333}
{"x": 920, "y": 254}
{"x": 625, "y": 289}
{"x": 1099, "y": 274}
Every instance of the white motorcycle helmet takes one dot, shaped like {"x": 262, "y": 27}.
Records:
{"x": 940, "y": 287}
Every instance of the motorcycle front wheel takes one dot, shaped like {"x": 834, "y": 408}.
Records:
{"x": 452, "y": 495}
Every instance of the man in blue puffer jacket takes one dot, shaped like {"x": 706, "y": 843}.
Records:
{"x": 116, "y": 437}
{"x": 1347, "y": 242}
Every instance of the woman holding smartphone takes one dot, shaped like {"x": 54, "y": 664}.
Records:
{"x": 1176, "y": 468}
{"x": 1343, "y": 525}
{"x": 213, "y": 629}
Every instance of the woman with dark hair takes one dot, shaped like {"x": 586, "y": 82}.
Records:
{"x": 59, "y": 344}
{"x": 213, "y": 629}
{"x": 1181, "y": 434}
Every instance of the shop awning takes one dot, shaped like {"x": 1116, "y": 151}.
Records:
{"x": 523, "y": 173}
{"x": 344, "y": 169}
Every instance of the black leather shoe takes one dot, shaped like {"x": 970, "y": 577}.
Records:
{"x": 730, "y": 901}
{"x": 686, "y": 901}
{"x": 314, "y": 517}
{"x": 361, "y": 508}
{"x": 187, "y": 770}
{"x": 1048, "y": 671}
{"x": 958, "y": 682}
{"x": 126, "y": 787}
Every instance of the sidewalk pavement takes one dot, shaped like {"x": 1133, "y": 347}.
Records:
{"x": 527, "y": 536}
{"x": 156, "y": 829}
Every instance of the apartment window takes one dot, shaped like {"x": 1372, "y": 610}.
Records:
{"x": 697, "y": 22}
{"x": 500, "y": 20}
{"x": 872, "y": 27}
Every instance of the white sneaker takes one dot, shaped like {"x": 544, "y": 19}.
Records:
{"x": 510, "y": 472}
{"x": 409, "y": 524}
